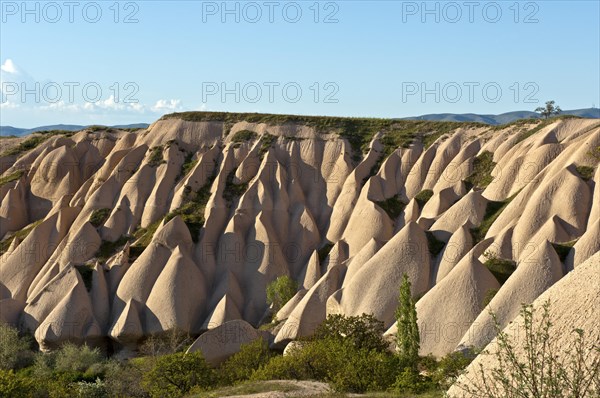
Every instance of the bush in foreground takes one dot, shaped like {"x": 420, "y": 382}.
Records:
{"x": 14, "y": 385}
{"x": 363, "y": 331}
{"x": 240, "y": 366}
{"x": 347, "y": 352}
{"x": 175, "y": 375}
{"x": 15, "y": 351}
{"x": 338, "y": 362}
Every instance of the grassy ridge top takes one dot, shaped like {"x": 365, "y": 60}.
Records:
{"x": 358, "y": 131}
{"x": 320, "y": 122}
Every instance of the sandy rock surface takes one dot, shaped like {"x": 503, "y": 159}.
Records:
{"x": 184, "y": 225}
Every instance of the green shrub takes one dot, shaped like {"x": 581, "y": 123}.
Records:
{"x": 492, "y": 212}
{"x": 21, "y": 234}
{"x": 451, "y": 366}
{"x": 43, "y": 365}
{"x": 99, "y": 217}
{"x": 501, "y": 268}
{"x": 359, "y": 132}
{"x": 188, "y": 165}
{"x": 434, "y": 245}
{"x": 394, "y": 139}
{"x": 156, "y": 156}
{"x": 174, "y": 375}
{"x": 232, "y": 190}
{"x": 244, "y": 136}
{"x": 96, "y": 128}
{"x": 365, "y": 370}
{"x": 108, "y": 248}
{"x": 335, "y": 361}
{"x": 489, "y": 296}
{"x": 586, "y": 172}
{"x": 280, "y": 291}
{"x": 267, "y": 140}
{"x": 407, "y": 336}
{"x": 409, "y": 380}
{"x": 87, "y": 389}
{"x": 392, "y": 206}
{"x": 483, "y": 165}
{"x": 362, "y": 332}
{"x": 423, "y": 197}
{"x": 594, "y": 153}
{"x": 73, "y": 358}
{"x": 240, "y": 366}
{"x": 125, "y": 379}
{"x": 14, "y": 385}
{"x": 12, "y": 177}
{"x": 192, "y": 209}
{"x": 15, "y": 351}
{"x": 58, "y": 373}
{"x": 143, "y": 237}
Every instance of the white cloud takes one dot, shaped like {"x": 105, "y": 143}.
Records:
{"x": 9, "y": 105}
{"x": 109, "y": 103}
{"x": 137, "y": 107}
{"x": 60, "y": 106}
{"x": 9, "y": 66}
{"x": 166, "y": 105}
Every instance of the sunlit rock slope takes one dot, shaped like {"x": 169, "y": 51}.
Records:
{"x": 111, "y": 235}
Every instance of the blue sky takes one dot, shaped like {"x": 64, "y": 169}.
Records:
{"x": 371, "y": 58}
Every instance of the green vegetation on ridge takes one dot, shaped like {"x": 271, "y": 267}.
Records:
{"x": 156, "y": 156}
{"x": 481, "y": 177}
{"x": 108, "y": 248}
{"x": 586, "y": 172}
{"x": 99, "y": 217}
{"x": 12, "y": 177}
{"x": 244, "y": 136}
{"x": 392, "y": 206}
{"x": 33, "y": 141}
{"x": 501, "y": 268}
{"x": 492, "y": 212}
{"x": 192, "y": 209}
{"x": 434, "y": 245}
{"x": 21, "y": 234}
{"x": 423, "y": 197}
{"x": 359, "y": 132}
{"x": 233, "y": 190}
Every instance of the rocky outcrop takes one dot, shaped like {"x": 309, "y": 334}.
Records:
{"x": 574, "y": 303}
{"x": 185, "y": 224}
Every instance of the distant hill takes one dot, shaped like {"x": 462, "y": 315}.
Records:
{"x": 9, "y": 130}
{"x": 592, "y": 113}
